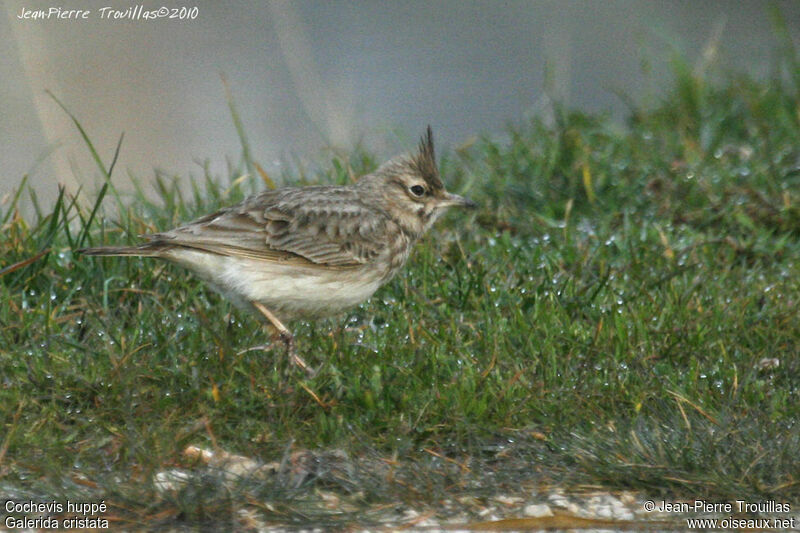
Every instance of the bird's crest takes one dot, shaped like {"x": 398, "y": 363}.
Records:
{"x": 424, "y": 162}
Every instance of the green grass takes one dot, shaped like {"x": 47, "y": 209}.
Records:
{"x": 604, "y": 319}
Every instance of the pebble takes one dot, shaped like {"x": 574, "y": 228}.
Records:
{"x": 537, "y": 510}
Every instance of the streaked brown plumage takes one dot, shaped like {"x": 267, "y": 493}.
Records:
{"x": 313, "y": 251}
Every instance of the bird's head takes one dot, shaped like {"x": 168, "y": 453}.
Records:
{"x": 411, "y": 189}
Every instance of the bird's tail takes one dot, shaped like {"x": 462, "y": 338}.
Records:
{"x": 144, "y": 250}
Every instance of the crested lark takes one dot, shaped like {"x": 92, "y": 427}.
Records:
{"x": 313, "y": 251}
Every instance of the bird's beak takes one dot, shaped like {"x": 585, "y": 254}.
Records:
{"x": 454, "y": 200}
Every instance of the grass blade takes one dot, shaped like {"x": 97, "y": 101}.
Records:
{"x": 105, "y": 172}
{"x": 237, "y": 122}
{"x": 88, "y": 224}
{"x": 15, "y": 201}
{"x": 21, "y": 264}
{"x": 116, "y": 155}
{"x": 85, "y": 137}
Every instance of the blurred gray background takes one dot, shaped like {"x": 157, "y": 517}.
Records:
{"x": 309, "y": 75}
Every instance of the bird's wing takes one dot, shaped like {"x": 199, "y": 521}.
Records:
{"x": 311, "y": 226}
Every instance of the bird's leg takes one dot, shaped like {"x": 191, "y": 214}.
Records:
{"x": 285, "y": 336}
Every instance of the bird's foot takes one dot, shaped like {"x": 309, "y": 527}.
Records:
{"x": 287, "y": 339}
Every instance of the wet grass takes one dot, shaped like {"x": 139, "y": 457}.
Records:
{"x": 621, "y": 312}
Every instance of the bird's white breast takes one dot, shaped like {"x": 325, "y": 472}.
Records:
{"x": 289, "y": 290}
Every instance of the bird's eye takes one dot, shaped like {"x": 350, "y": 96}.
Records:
{"x": 418, "y": 190}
